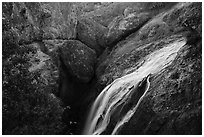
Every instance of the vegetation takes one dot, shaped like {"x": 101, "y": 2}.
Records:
{"x": 28, "y": 105}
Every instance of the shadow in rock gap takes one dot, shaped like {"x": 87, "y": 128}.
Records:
{"x": 76, "y": 96}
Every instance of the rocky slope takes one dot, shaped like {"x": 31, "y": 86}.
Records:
{"x": 82, "y": 47}
{"x": 171, "y": 106}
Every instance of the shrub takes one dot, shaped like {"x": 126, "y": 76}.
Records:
{"x": 28, "y": 106}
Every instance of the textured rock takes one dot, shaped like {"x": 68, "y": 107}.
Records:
{"x": 78, "y": 59}
{"x": 30, "y": 22}
{"x": 126, "y": 54}
{"x": 121, "y": 27}
{"x": 153, "y": 34}
{"x": 187, "y": 15}
{"x": 17, "y": 22}
{"x": 91, "y": 33}
{"x": 121, "y": 19}
{"x": 58, "y": 21}
{"x": 173, "y": 105}
{"x": 173, "y": 102}
{"x": 108, "y": 11}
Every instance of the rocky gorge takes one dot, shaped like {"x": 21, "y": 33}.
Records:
{"x": 82, "y": 49}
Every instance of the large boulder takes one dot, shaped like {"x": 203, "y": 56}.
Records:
{"x": 106, "y": 12}
{"x": 154, "y": 34}
{"x": 173, "y": 103}
{"x": 123, "y": 19}
{"x": 121, "y": 27}
{"x": 187, "y": 15}
{"x": 78, "y": 59}
{"x": 91, "y": 33}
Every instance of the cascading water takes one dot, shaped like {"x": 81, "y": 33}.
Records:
{"x": 129, "y": 88}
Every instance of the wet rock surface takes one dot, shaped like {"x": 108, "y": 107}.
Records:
{"x": 150, "y": 37}
{"x": 170, "y": 102}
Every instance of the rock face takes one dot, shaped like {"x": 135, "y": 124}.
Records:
{"x": 58, "y": 21}
{"x": 173, "y": 102}
{"x": 173, "y": 105}
{"x": 30, "y": 22}
{"x": 152, "y": 35}
{"x": 78, "y": 59}
{"x": 121, "y": 27}
{"x": 108, "y": 11}
{"x": 18, "y": 25}
{"x": 121, "y": 19}
{"x": 91, "y": 33}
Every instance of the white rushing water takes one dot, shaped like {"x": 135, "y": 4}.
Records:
{"x": 121, "y": 90}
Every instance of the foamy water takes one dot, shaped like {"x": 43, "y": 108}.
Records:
{"x": 119, "y": 91}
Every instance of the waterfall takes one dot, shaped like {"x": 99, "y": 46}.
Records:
{"x": 121, "y": 98}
